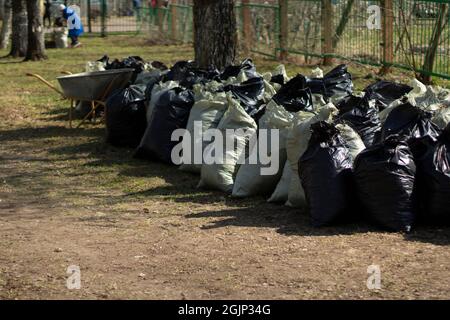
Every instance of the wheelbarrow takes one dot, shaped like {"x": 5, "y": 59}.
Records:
{"x": 93, "y": 87}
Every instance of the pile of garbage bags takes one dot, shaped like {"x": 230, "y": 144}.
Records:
{"x": 381, "y": 155}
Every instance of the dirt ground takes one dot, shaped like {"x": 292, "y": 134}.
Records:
{"x": 143, "y": 230}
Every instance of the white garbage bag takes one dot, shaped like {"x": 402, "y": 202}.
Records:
{"x": 281, "y": 116}
{"x": 207, "y": 113}
{"x": 317, "y": 73}
{"x": 442, "y": 117}
{"x": 221, "y": 175}
{"x": 352, "y": 139}
{"x": 251, "y": 180}
{"x": 281, "y": 192}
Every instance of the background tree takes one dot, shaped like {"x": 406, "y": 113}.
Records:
{"x": 36, "y": 46}
{"x": 215, "y": 37}
{"x": 441, "y": 23}
{"x": 6, "y": 25}
{"x": 19, "y": 40}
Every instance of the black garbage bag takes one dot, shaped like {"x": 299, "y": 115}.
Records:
{"x": 336, "y": 83}
{"x": 132, "y": 62}
{"x": 325, "y": 172}
{"x": 248, "y": 93}
{"x": 409, "y": 122}
{"x": 148, "y": 77}
{"x": 384, "y": 176}
{"x": 294, "y": 96}
{"x": 159, "y": 65}
{"x": 386, "y": 92}
{"x": 171, "y": 112}
{"x": 187, "y": 73}
{"x": 125, "y": 117}
{"x": 362, "y": 115}
{"x": 433, "y": 181}
{"x": 278, "y": 78}
{"x": 104, "y": 60}
{"x": 233, "y": 71}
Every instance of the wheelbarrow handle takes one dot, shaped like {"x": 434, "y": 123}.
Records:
{"x": 47, "y": 83}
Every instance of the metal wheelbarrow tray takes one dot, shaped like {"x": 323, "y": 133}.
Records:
{"x": 94, "y": 86}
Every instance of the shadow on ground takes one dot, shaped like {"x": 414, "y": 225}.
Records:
{"x": 88, "y": 144}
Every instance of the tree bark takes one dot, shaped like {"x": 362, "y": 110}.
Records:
{"x": 215, "y": 37}
{"x": 2, "y": 9}
{"x": 36, "y": 46}
{"x": 6, "y": 26}
{"x": 19, "y": 29}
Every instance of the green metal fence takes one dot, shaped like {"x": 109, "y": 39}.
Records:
{"x": 105, "y": 16}
{"x": 422, "y": 29}
{"x": 407, "y": 34}
{"x": 352, "y": 39}
{"x": 414, "y": 26}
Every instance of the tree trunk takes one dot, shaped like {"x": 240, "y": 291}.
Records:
{"x": 36, "y": 46}
{"x": 430, "y": 55}
{"x": 6, "y": 26}
{"x": 342, "y": 23}
{"x": 19, "y": 29}
{"x": 215, "y": 37}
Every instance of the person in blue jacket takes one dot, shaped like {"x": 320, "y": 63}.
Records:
{"x": 73, "y": 24}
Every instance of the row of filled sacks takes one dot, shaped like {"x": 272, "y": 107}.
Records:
{"x": 400, "y": 179}
{"x": 293, "y": 102}
{"x": 221, "y": 112}
{"x": 395, "y": 183}
{"x": 130, "y": 110}
{"x": 124, "y": 122}
{"x": 173, "y": 107}
{"x": 434, "y": 100}
{"x": 361, "y": 116}
{"x": 293, "y": 110}
{"x": 356, "y": 115}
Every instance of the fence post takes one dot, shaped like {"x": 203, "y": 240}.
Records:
{"x": 89, "y": 16}
{"x": 246, "y": 26}
{"x": 327, "y": 32}
{"x": 174, "y": 21}
{"x": 284, "y": 28}
{"x": 388, "y": 35}
{"x": 104, "y": 12}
